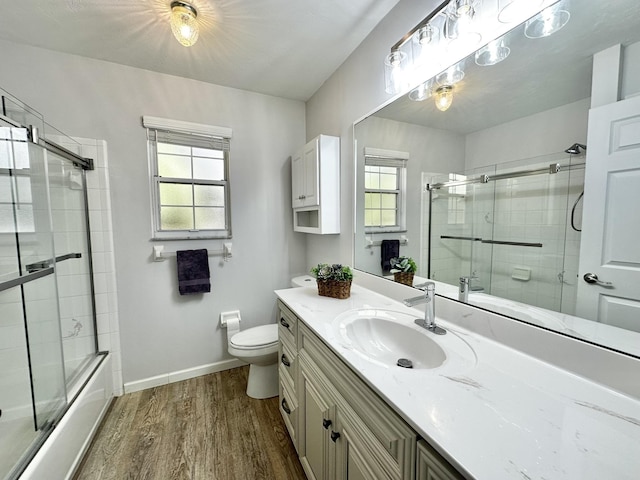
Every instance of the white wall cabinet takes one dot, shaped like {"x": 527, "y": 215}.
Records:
{"x": 315, "y": 186}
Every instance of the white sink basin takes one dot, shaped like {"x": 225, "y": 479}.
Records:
{"x": 385, "y": 337}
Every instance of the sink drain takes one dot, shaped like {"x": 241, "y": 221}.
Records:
{"x": 404, "y": 363}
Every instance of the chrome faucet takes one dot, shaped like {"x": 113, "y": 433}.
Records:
{"x": 463, "y": 291}
{"x": 429, "y": 321}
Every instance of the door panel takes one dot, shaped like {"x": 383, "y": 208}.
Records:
{"x": 611, "y": 226}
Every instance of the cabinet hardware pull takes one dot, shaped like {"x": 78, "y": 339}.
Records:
{"x": 334, "y": 436}
{"x": 285, "y": 407}
{"x": 285, "y": 361}
{"x": 284, "y": 323}
{"x": 326, "y": 423}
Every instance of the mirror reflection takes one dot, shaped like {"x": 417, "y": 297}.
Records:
{"x": 511, "y": 178}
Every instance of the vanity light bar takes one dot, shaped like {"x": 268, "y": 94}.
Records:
{"x": 439, "y": 9}
{"x": 551, "y": 169}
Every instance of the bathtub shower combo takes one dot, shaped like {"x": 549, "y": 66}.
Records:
{"x": 48, "y": 343}
{"x": 511, "y": 230}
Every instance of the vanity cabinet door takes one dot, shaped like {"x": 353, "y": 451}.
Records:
{"x": 316, "y": 424}
{"x": 431, "y": 466}
{"x": 359, "y": 456}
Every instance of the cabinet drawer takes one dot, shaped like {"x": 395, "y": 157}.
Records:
{"x": 288, "y": 364}
{"x": 287, "y": 326}
{"x": 288, "y": 404}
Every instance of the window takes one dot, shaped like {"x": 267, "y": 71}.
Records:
{"x": 190, "y": 180}
{"x": 384, "y": 193}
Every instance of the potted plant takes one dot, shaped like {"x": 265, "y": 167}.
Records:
{"x": 333, "y": 280}
{"x": 403, "y": 269}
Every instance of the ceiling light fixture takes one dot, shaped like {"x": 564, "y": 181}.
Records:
{"x": 444, "y": 97}
{"x": 184, "y": 23}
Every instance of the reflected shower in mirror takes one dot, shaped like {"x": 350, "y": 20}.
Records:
{"x": 501, "y": 192}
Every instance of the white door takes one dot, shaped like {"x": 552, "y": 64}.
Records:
{"x": 610, "y": 245}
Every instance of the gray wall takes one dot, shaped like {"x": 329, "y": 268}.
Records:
{"x": 162, "y": 332}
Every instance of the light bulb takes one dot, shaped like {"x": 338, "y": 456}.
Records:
{"x": 184, "y": 23}
{"x": 444, "y": 97}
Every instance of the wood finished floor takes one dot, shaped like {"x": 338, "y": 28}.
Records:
{"x": 202, "y": 428}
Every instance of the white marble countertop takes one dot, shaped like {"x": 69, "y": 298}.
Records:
{"x": 499, "y": 414}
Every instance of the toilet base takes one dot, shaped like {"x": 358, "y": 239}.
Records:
{"x": 263, "y": 381}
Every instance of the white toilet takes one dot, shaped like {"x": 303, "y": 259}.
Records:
{"x": 257, "y": 346}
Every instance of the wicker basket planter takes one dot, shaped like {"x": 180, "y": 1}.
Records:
{"x": 405, "y": 278}
{"x": 334, "y": 288}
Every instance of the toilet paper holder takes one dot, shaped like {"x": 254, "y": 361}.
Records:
{"x": 230, "y": 315}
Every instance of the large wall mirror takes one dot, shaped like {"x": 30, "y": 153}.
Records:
{"x": 528, "y": 184}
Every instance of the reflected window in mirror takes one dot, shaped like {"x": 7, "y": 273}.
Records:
{"x": 385, "y": 183}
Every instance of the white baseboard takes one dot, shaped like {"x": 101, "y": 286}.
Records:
{"x": 180, "y": 375}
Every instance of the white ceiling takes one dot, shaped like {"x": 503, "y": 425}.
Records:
{"x": 283, "y": 48}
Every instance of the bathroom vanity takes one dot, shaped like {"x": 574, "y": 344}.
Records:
{"x": 469, "y": 408}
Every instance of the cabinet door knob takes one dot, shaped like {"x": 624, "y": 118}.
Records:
{"x": 284, "y": 323}
{"x": 285, "y": 361}
{"x": 334, "y": 436}
{"x": 326, "y": 423}
{"x": 285, "y": 407}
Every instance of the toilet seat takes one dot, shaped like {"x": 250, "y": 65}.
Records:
{"x": 253, "y": 338}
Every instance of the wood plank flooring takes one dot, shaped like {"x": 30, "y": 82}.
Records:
{"x": 202, "y": 428}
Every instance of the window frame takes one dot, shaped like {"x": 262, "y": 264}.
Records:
{"x": 193, "y": 136}
{"x": 398, "y": 160}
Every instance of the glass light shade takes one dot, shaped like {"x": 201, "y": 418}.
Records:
{"x": 460, "y": 28}
{"x": 421, "y": 92}
{"x": 424, "y": 41}
{"x": 444, "y": 97}
{"x": 184, "y": 23}
{"x": 395, "y": 76}
{"x": 493, "y": 53}
{"x": 510, "y": 11}
{"x": 451, "y": 75}
{"x": 549, "y": 21}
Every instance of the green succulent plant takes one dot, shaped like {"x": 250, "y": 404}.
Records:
{"x": 324, "y": 271}
{"x": 403, "y": 264}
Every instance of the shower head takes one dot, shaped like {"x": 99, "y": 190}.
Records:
{"x": 576, "y": 148}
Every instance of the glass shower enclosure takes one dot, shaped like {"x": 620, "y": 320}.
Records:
{"x": 508, "y": 227}
{"x": 47, "y": 319}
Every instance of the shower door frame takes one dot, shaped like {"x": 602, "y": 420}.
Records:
{"x": 43, "y": 269}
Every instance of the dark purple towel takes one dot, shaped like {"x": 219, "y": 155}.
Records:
{"x": 193, "y": 271}
{"x": 388, "y": 249}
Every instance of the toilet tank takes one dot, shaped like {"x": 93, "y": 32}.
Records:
{"x": 303, "y": 281}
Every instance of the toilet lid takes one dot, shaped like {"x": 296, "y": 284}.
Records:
{"x": 256, "y": 336}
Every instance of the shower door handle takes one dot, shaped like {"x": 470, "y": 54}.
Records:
{"x": 593, "y": 278}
